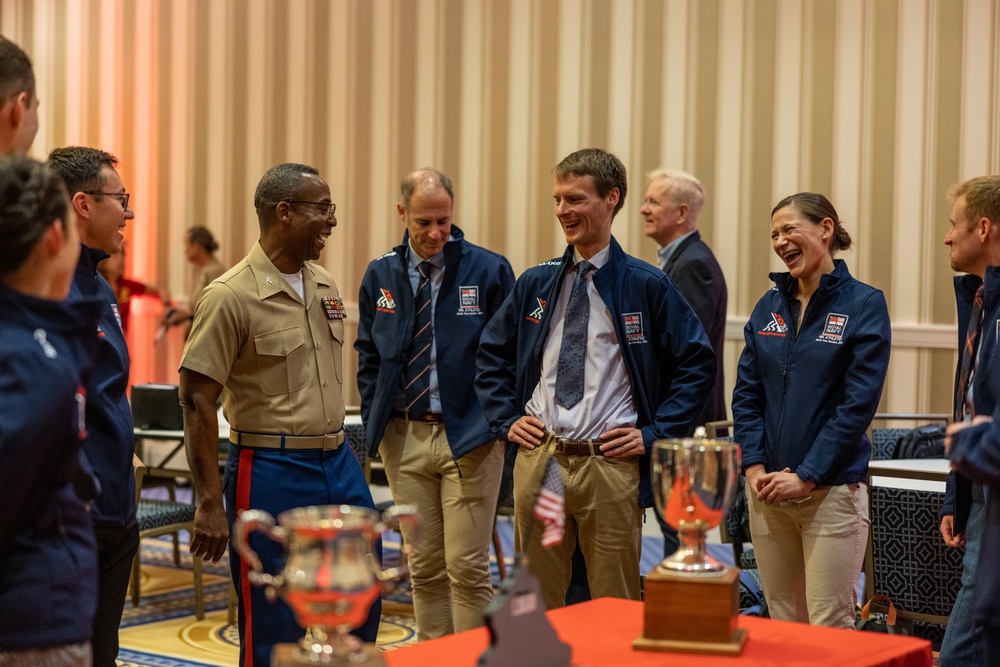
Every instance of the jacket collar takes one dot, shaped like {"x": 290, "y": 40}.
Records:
{"x": 89, "y": 259}
{"x": 453, "y": 249}
{"x": 688, "y": 240}
{"x": 786, "y": 284}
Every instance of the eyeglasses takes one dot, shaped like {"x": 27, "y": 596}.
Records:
{"x": 122, "y": 197}
{"x": 331, "y": 208}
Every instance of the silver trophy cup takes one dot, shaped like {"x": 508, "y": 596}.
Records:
{"x": 331, "y": 576}
{"x": 694, "y": 480}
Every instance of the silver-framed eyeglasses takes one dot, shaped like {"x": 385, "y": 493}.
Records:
{"x": 122, "y": 197}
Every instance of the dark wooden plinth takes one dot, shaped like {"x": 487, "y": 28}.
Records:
{"x": 691, "y": 614}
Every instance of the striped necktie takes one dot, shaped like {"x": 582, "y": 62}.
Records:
{"x": 417, "y": 378}
{"x": 963, "y": 407}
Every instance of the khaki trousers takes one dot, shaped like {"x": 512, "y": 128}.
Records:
{"x": 809, "y": 553}
{"x": 450, "y": 571}
{"x": 602, "y": 514}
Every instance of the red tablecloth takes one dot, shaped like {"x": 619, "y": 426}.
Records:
{"x": 601, "y": 634}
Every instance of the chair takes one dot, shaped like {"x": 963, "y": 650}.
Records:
{"x": 908, "y": 561}
{"x": 163, "y": 517}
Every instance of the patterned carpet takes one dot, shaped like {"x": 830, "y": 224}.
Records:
{"x": 163, "y": 631}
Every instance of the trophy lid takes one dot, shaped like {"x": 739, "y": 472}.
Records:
{"x": 699, "y": 439}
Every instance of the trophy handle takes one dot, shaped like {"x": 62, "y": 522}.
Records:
{"x": 396, "y": 517}
{"x": 248, "y": 522}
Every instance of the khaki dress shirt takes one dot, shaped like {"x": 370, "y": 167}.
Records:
{"x": 278, "y": 358}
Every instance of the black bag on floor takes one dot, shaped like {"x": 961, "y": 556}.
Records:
{"x": 923, "y": 442}
{"x": 874, "y": 621}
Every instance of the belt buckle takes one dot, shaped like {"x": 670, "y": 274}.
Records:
{"x": 331, "y": 441}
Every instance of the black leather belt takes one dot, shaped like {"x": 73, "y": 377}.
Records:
{"x": 426, "y": 418}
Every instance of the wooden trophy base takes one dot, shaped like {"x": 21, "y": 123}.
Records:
{"x": 283, "y": 655}
{"x": 691, "y": 613}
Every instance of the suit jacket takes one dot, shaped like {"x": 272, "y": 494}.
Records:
{"x": 698, "y": 277}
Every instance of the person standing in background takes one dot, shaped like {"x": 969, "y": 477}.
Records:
{"x": 674, "y": 200}
{"x": 113, "y": 270}
{"x": 102, "y": 210}
{"x": 416, "y": 368}
{"x": 199, "y": 249}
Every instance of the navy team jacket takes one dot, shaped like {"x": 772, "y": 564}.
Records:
{"x": 48, "y": 556}
{"x": 110, "y": 441}
{"x": 474, "y": 284}
{"x": 669, "y": 361}
{"x": 804, "y": 400}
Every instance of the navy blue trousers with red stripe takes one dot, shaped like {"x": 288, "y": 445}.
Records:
{"x": 275, "y": 480}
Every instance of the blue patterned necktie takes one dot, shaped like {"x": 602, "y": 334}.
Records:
{"x": 417, "y": 378}
{"x": 573, "y": 351}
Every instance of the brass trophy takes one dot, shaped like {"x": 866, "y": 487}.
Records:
{"x": 331, "y": 576}
{"x": 691, "y": 599}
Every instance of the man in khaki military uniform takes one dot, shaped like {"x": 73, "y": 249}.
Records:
{"x": 267, "y": 337}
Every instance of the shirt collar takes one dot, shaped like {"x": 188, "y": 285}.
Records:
{"x": 598, "y": 260}
{"x": 666, "y": 251}
{"x": 437, "y": 260}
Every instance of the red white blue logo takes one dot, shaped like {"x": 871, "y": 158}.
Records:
{"x": 536, "y": 315}
{"x": 633, "y": 328}
{"x": 385, "y": 303}
{"x": 833, "y": 332}
{"x": 776, "y": 327}
{"x": 468, "y": 300}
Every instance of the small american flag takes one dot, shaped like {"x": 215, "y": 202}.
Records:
{"x": 550, "y": 505}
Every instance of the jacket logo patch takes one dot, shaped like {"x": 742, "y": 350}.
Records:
{"x": 834, "y": 330}
{"x": 385, "y": 303}
{"x": 333, "y": 306}
{"x": 776, "y": 327}
{"x": 633, "y": 328}
{"x": 536, "y": 315}
{"x": 43, "y": 340}
{"x": 468, "y": 300}
{"x": 118, "y": 316}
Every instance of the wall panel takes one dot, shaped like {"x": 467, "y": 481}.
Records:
{"x": 881, "y": 104}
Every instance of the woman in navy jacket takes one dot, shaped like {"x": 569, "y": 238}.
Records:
{"x": 48, "y": 557}
{"x": 809, "y": 382}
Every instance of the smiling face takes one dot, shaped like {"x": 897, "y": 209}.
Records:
{"x": 585, "y": 216}
{"x": 428, "y": 221}
{"x": 310, "y": 224}
{"x": 105, "y": 219}
{"x": 802, "y": 244}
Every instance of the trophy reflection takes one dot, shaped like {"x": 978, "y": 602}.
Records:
{"x": 331, "y": 576}
{"x": 691, "y": 599}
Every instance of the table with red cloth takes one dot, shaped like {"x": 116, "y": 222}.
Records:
{"x": 601, "y": 633}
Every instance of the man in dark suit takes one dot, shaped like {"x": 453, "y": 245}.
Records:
{"x": 673, "y": 202}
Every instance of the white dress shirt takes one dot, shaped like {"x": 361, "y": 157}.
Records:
{"x": 607, "y": 392}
